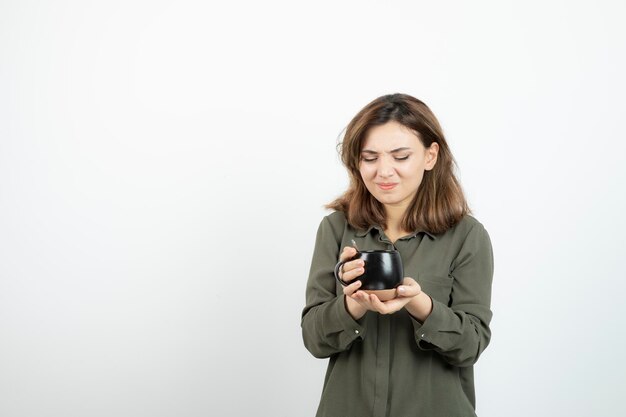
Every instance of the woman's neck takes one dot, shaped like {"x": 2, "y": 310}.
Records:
{"x": 394, "y": 219}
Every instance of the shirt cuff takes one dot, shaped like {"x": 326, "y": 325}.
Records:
{"x": 352, "y": 328}
{"x": 432, "y": 333}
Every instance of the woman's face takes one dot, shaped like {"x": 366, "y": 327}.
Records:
{"x": 392, "y": 164}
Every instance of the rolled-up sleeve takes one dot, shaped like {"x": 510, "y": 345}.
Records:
{"x": 327, "y": 327}
{"x": 460, "y": 332}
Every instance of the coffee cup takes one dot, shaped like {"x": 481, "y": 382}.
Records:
{"x": 383, "y": 272}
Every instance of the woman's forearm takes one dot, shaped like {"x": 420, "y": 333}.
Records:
{"x": 355, "y": 309}
{"x": 420, "y": 307}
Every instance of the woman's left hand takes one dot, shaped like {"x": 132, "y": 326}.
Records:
{"x": 404, "y": 293}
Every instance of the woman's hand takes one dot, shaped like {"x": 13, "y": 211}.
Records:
{"x": 348, "y": 272}
{"x": 404, "y": 294}
{"x": 358, "y": 302}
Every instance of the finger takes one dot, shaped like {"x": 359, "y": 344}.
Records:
{"x": 393, "y": 305}
{"x": 377, "y": 304}
{"x": 389, "y": 307}
{"x": 409, "y": 281}
{"x": 363, "y": 299}
{"x": 347, "y": 253}
{"x": 351, "y": 274}
{"x": 352, "y": 288}
{"x": 357, "y": 263}
{"x": 408, "y": 290}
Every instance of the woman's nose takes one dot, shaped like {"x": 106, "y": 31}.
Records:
{"x": 385, "y": 169}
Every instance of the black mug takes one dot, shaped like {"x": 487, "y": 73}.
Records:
{"x": 383, "y": 272}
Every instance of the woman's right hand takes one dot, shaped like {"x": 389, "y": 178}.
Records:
{"x": 351, "y": 269}
{"x": 348, "y": 272}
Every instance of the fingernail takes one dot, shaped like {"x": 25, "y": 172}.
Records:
{"x": 401, "y": 289}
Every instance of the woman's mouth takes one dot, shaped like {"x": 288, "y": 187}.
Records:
{"x": 387, "y": 186}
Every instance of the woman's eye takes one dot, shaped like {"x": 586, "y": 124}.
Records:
{"x": 402, "y": 158}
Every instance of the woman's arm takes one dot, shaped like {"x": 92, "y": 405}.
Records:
{"x": 460, "y": 332}
{"x": 327, "y": 325}
{"x": 420, "y": 307}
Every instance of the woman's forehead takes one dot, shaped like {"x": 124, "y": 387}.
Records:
{"x": 390, "y": 139}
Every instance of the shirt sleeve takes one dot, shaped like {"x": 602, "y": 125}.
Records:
{"x": 327, "y": 327}
{"x": 460, "y": 332}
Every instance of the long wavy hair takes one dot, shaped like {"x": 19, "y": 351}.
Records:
{"x": 439, "y": 203}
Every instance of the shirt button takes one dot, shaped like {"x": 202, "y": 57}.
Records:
{"x": 356, "y": 331}
{"x": 422, "y": 335}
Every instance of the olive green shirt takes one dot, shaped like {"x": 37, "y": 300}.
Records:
{"x": 393, "y": 365}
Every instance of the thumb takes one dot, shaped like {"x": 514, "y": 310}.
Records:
{"x": 409, "y": 290}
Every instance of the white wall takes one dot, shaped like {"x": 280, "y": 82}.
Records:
{"x": 163, "y": 167}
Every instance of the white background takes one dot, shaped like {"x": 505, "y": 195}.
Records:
{"x": 163, "y": 167}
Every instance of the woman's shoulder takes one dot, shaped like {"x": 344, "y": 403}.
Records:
{"x": 332, "y": 227}
{"x": 468, "y": 222}
{"x": 464, "y": 227}
{"x": 337, "y": 217}
{"x": 469, "y": 235}
{"x": 338, "y": 222}
{"x": 335, "y": 220}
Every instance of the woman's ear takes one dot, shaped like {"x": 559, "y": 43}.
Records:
{"x": 431, "y": 156}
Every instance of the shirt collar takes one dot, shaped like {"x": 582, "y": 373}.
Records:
{"x": 362, "y": 233}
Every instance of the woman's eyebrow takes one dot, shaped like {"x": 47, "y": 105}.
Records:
{"x": 369, "y": 151}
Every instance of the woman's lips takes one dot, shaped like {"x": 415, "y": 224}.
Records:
{"x": 388, "y": 186}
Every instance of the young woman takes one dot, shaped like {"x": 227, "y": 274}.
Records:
{"x": 412, "y": 355}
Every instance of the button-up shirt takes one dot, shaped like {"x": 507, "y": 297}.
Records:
{"x": 393, "y": 365}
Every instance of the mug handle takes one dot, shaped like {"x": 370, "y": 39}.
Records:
{"x": 339, "y": 265}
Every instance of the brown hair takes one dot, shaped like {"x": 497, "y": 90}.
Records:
{"x": 439, "y": 203}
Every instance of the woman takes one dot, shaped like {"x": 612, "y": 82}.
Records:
{"x": 412, "y": 355}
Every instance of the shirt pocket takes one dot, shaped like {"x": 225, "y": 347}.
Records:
{"x": 439, "y": 287}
